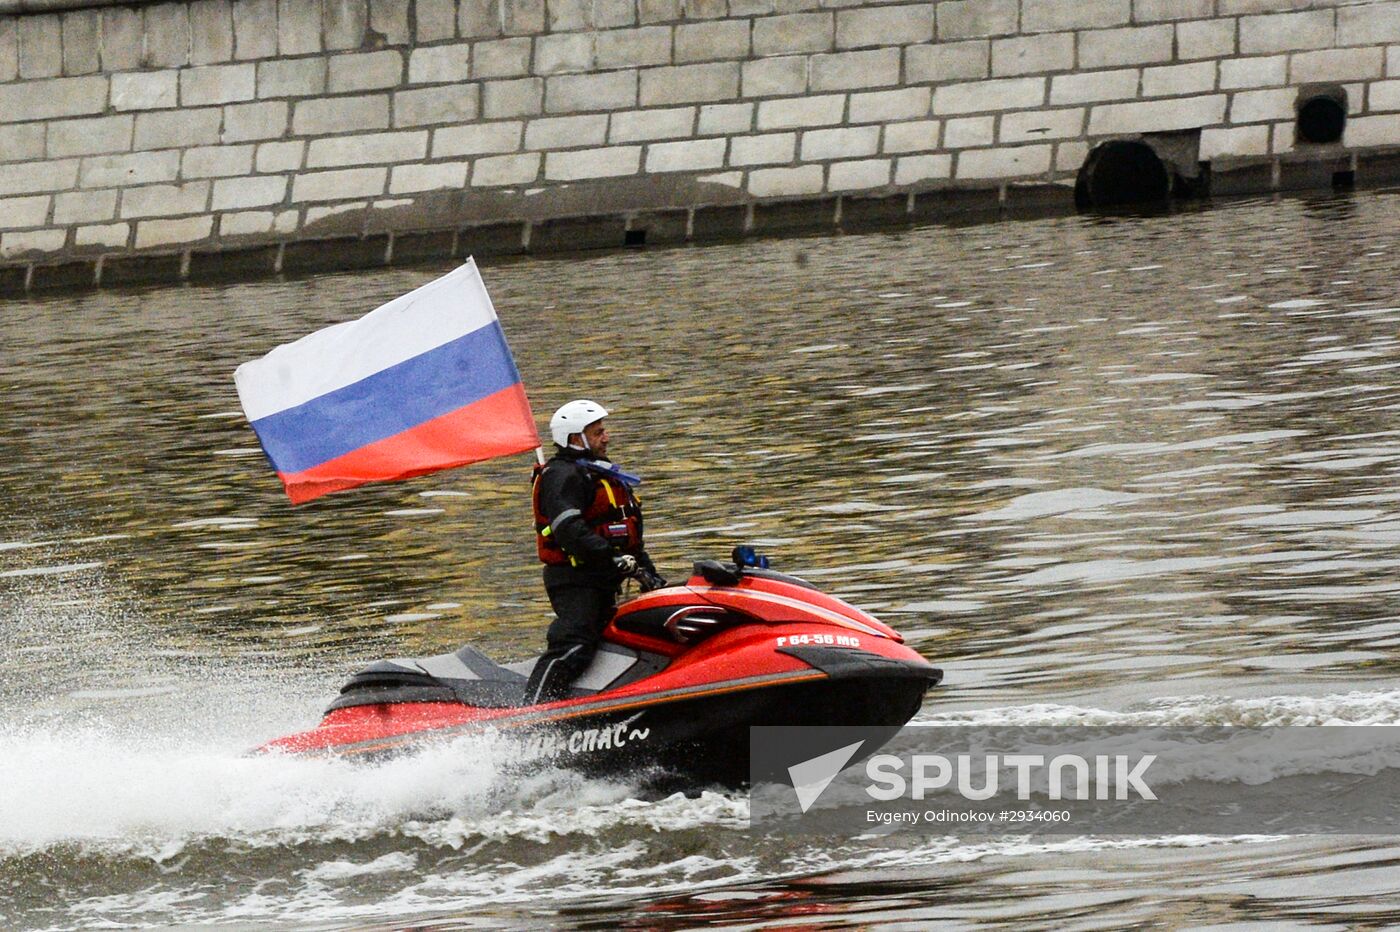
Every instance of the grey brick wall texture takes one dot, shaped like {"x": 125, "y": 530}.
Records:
{"x": 220, "y": 124}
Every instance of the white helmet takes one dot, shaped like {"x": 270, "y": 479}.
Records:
{"x": 573, "y": 418}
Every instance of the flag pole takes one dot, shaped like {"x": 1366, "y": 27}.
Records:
{"x": 539, "y": 455}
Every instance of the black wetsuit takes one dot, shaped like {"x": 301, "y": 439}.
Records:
{"x": 583, "y": 593}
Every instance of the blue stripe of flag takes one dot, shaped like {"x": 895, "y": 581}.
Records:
{"x": 389, "y": 402}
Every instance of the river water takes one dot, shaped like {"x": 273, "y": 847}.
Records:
{"x": 1100, "y": 470}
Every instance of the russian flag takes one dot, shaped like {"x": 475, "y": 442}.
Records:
{"x": 424, "y": 383}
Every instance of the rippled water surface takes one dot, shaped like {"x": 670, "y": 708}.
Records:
{"x": 1100, "y": 470}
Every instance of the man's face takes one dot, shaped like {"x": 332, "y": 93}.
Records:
{"x": 597, "y": 436}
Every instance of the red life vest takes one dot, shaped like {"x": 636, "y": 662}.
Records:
{"x": 614, "y": 515}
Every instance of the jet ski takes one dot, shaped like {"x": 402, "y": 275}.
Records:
{"x": 681, "y": 675}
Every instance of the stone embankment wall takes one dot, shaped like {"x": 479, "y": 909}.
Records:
{"x": 183, "y": 140}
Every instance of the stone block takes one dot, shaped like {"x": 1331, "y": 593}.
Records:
{"x": 992, "y": 95}
{"x": 646, "y": 125}
{"x": 502, "y": 58}
{"x": 498, "y": 170}
{"x": 884, "y": 26}
{"x": 177, "y": 129}
{"x": 298, "y": 27}
{"x": 524, "y": 97}
{"x": 1209, "y": 38}
{"x": 659, "y": 11}
{"x": 1070, "y": 156}
{"x": 787, "y": 182}
{"x": 1033, "y": 54}
{"x": 783, "y": 76}
{"x": 165, "y": 200}
{"x": 339, "y": 185}
{"x": 845, "y": 143}
{"x": 611, "y": 14}
{"x": 80, "y": 42}
{"x": 484, "y": 19}
{"x": 859, "y": 176}
{"x": 216, "y": 162}
{"x": 706, "y": 9}
{"x": 563, "y": 132}
{"x": 280, "y": 156}
{"x": 84, "y": 207}
{"x": 477, "y": 139}
{"x": 388, "y": 21}
{"x": 57, "y": 97}
{"x": 233, "y": 264}
{"x": 430, "y": 106}
{"x": 90, "y": 137}
{"x": 436, "y": 20}
{"x": 115, "y": 171}
{"x": 410, "y": 179}
{"x": 718, "y": 222}
{"x": 32, "y": 243}
{"x": 1370, "y": 132}
{"x": 913, "y": 136}
{"x": 1157, "y": 116}
{"x": 16, "y": 213}
{"x": 722, "y": 40}
{"x": 167, "y": 35}
{"x": 151, "y": 234}
{"x": 726, "y": 119}
{"x": 266, "y": 120}
{"x": 1056, "y": 15}
{"x": 243, "y": 193}
{"x": 439, "y": 64}
{"x": 1013, "y": 162}
{"x": 691, "y": 155}
{"x": 569, "y": 53}
{"x": 1150, "y": 11}
{"x": 522, "y": 17}
{"x": 368, "y": 149}
{"x": 796, "y": 113}
{"x": 1383, "y": 96}
{"x": 568, "y": 234}
{"x": 1179, "y": 80}
{"x": 368, "y": 71}
{"x": 112, "y": 235}
{"x": 9, "y": 49}
{"x": 1262, "y": 106}
{"x": 1238, "y": 73}
{"x": 1363, "y": 64}
{"x": 145, "y": 90}
{"x": 254, "y": 29}
{"x": 121, "y": 44}
{"x": 611, "y": 90}
{"x": 578, "y": 165}
{"x": 296, "y": 77}
{"x": 977, "y": 19}
{"x": 686, "y": 84}
{"x": 805, "y": 215}
{"x": 1368, "y": 24}
{"x": 1093, "y": 87}
{"x": 949, "y": 61}
{"x": 798, "y": 32}
{"x": 1038, "y": 125}
{"x": 211, "y": 32}
{"x": 569, "y": 15}
{"x": 917, "y": 169}
{"x": 969, "y": 132}
{"x": 1109, "y": 48}
{"x": 1234, "y": 141}
{"x": 1287, "y": 32}
{"x": 850, "y": 70}
{"x": 340, "y": 114}
{"x": 629, "y": 48}
{"x": 768, "y": 149}
{"x": 907, "y": 103}
{"x": 346, "y": 24}
{"x": 414, "y": 248}
{"x": 217, "y": 84}
{"x": 22, "y": 142}
{"x": 40, "y": 46}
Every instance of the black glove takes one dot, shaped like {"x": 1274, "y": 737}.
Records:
{"x": 625, "y": 564}
{"x": 647, "y": 580}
